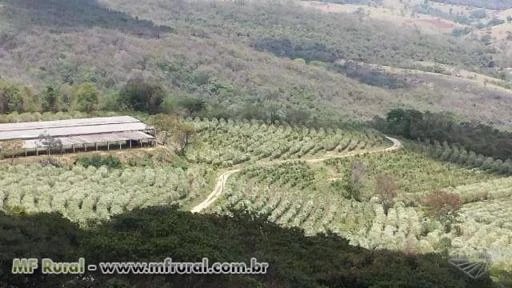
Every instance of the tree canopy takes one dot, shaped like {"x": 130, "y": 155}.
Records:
{"x": 441, "y": 127}
{"x": 141, "y": 95}
{"x": 152, "y": 234}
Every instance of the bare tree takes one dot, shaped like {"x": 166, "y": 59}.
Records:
{"x": 172, "y": 127}
{"x": 357, "y": 173}
{"x": 163, "y": 124}
{"x": 182, "y": 134}
{"x": 385, "y": 188}
{"x": 11, "y": 148}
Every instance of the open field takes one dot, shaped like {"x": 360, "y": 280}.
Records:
{"x": 398, "y": 15}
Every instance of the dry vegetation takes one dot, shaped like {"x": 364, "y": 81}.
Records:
{"x": 249, "y": 57}
{"x": 204, "y": 50}
{"x": 395, "y": 14}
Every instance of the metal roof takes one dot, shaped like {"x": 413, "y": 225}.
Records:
{"x": 66, "y": 123}
{"x": 91, "y": 139}
{"x": 72, "y": 127}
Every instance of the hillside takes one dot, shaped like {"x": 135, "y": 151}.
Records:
{"x": 270, "y": 191}
{"x": 432, "y": 17}
{"x": 348, "y": 143}
{"x": 152, "y": 234}
{"x": 253, "y": 21}
{"x": 395, "y": 13}
{"x": 219, "y": 52}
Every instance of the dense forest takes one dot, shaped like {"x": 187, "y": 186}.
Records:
{"x": 477, "y": 137}
{"x": 152, "y": 234}
{"x": 317, "y": 52}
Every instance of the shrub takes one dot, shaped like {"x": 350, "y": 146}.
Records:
{"x": 98, "y": 161}
{"x": 442, "y": 204}
{"x": 50, "y": 162}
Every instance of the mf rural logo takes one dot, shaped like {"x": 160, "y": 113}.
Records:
{"x": 478, "y": 266}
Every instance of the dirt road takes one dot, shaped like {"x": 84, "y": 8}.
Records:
{"x": 221, "y": 181}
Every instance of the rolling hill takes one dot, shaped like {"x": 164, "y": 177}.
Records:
{"x": 342, "y": 141}
{"x": 219, "y": 52}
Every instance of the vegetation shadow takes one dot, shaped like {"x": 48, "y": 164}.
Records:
{"x": 71, "y": 15}
{"x": 153, "y": 234}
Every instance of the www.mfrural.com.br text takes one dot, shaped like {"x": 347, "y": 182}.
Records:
{"x": 167, "y": 266}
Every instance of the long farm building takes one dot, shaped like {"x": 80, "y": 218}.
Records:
{"x": 72, "y": 135}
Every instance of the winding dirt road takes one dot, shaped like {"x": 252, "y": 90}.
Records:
{"x": 219, "y": 187}
{"x": 221, "y": 181}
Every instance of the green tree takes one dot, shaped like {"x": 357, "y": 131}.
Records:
{"x": 479, "y": 160}
{"x": 463, "y": 156}
{"x": 488, "y": 163}
{"x": 471, "y": 159}
{"x": 50, "y": 99}
{"x": 172, "y": 131}
{"x": 164, "y": 125}
{"x": 497, "y": 166}
{"x": 85, "y": 97}
{"x": 508, "y": 166}
{"x": 30, "y": 101}
{"x": 404, "y": 122}
{"x": 447, "y": 151}
{"x": 141, "y": 95}
{"x": 438, "y": 149}
{"x": 11, "y": 98}
{"x": 455, "y": 155}
{"x": 193, "y": 106}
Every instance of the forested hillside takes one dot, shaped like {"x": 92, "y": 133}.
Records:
{"x": 441, "y": 128}
{"x": 317, "y": 32}
{"x": 224, "y": 53}
{"x": 68, "y": 16}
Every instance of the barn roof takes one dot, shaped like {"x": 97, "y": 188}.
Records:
{"x": 67, "y": 123}
{"x": 73, "y": 127}
{"x": 92, "y": 138}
